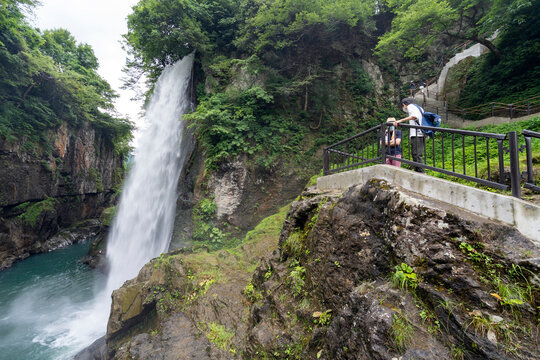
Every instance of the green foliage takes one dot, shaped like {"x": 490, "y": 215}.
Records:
{"x": 251, "y": 293}
{"x": 95, "y": 175}
{"x": 296, "y": 279}
{"x": 322, "y": 318}
{"x": 415, "y": 26}
{"x": 47, "y": 78}
{"x": 404, "y": 277}
{"x": 294, "y": 244}
{"x": 107, "y": 216}
{"x": 220, "y": 336}
{"x": 205, "y": 209}
{"x": 239, "y": 122}
{"x": 468, "y": 144}
{"x": 418, "y": 23}
{"x": 33, "y": 212}
{"x": 269, "y": 227}
{"x": 475, "y": 255}
{"x": 277, "y": 24}
{"x": 204, "y": 230}
{"x": 516, "y": 75}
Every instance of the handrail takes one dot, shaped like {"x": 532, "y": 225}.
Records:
{"x": 530, "y": 183}
{"x": 447, "y": 155}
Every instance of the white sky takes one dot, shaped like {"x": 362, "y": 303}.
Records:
{"x": 99, "y": 23}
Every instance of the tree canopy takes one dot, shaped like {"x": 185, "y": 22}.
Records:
{"x": 418, "y": 23}
{"x": 47, "y": 78}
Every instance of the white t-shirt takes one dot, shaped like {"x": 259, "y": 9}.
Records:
{"x": 413, "y": 110}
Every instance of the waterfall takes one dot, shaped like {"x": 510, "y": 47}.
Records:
{"x": 143, "y": 224}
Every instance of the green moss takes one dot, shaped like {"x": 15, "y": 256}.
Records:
{"x": 108, "y": 215}
{"x": 95, "y": 175}
{"x": 33, "y": 212}
{"x": 269, "y": 227}
{"x": 313, "y": 180}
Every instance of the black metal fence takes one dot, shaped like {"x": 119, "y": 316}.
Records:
{"x": 489, "y": 159}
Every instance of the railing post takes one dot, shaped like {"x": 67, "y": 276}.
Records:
{"x": 515, "y": 174}
{"x": 530, "y": 175}
{"x": 502, "y": 175}
{"x": 326, "y": 162}
{"x": 511, "y": 111}
{"x": 492, "y": 109}
{"x": 382, "y": 133}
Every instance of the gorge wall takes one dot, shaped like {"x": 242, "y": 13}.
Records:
{"x": 49, "y": 190}
{"x": 374, "y": 272}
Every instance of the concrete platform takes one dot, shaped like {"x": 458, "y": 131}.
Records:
{"x": 523, "y": 215}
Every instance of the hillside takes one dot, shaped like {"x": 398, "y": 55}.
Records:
{"x": 61, "y": 150}
{"x": 371, "y": 273}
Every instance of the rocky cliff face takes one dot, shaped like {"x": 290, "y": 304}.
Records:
{"x": 46, "y": 188}
{"x": 371, "y": 273}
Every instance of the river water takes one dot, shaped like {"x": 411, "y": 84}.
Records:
{"x": 51, "y": 306}
{"x": 39, "y": 297}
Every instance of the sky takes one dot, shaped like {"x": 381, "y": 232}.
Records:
{"x": 99, "y": 23}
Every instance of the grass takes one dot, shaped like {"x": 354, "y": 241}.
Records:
{"x": 402, "y": 332}
{"x": 220, "y": 336}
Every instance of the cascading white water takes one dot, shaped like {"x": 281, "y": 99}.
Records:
{"x": 143, "y": 225}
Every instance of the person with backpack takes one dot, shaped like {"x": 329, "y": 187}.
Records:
{"x": 416, "y": 136}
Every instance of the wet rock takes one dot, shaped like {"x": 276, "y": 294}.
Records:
{"x": 326, "y": 293}
{"x": 45, "y": 194}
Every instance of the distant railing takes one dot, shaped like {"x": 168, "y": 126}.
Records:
{"x": 517, "y": 109}
{"x": 488, "y": 159}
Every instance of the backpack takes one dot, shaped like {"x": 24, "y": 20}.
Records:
{"x": 429, "y": 119}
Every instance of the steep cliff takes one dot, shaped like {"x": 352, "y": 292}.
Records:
{"x": 371, "y": 273}
{"x": 51, "y": 188}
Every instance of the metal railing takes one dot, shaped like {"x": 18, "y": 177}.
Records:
{"x": 488, "y": 159}
{"x": 530, "y": 183}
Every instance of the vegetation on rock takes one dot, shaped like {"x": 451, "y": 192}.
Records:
{"x": 47, "y": 78}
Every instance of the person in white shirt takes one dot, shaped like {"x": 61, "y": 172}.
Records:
{"x": 416, "y": 136}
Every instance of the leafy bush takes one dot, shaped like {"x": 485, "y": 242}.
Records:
{"x": 34, "y": 211}
{"x": 404, "y": 277}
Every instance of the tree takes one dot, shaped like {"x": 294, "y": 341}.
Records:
{"x": 281, "y": 24}
{"x": 418, "y": 23}
{"x": 47, "y": 78}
